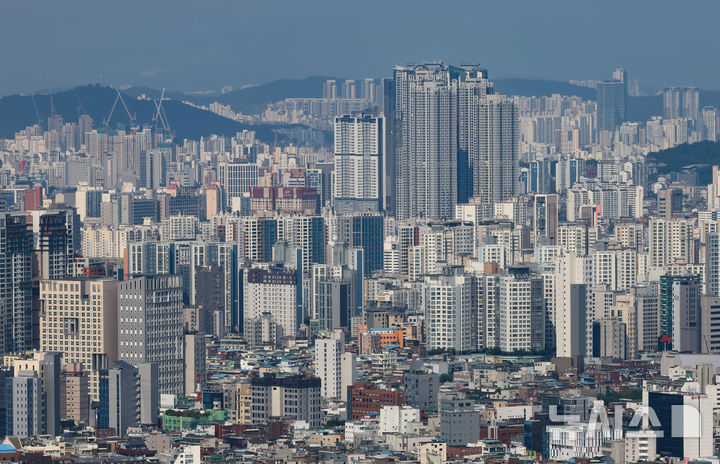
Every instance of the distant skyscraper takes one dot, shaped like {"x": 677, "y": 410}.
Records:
{"x": 546, "y": 217}
{"x": 358, "y": 163}
{"x": 449, "y": 139}
{"x": 369, "y": 91}
{"x": 426, "y": 141}
{"x": 330, "y": 89}
{"x": 611, "y": 105}
{"x": 493, "y": 150}
{"x": 349, "y": 89}
{"x": 681, "y": 102}
{"x": 710, "y": 116}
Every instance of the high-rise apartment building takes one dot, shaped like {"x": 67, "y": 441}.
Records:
{"x": 571, "y": 289}
{"x": 521, "y": 311}
{"x": 492, "y": 145}
{"x": 425, "y": 121}
{"x": 359, "y": 163}
{"x": 57, "y": 239}
{"x": 335, "y": 367}
{"x": 681, "y": 102}
{"x": 449, "y": 139}
{"x": 451, "y": 311}
{"x": 150, "y": 327}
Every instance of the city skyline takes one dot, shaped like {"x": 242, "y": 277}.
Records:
{"x": 255, "y": 42}
{"x": 433, "y": 266}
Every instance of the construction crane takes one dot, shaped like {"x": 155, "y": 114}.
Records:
{"x": 161, "y": 115}
{"x": 81, "y": 109}
{"x": 52, "y": 105}
{"x": 119, "y": 98}
{"x": 37, "y": 113}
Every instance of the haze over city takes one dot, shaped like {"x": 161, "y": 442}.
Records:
{"x": 371, "y": 232}
{"x": 206, "y": 46}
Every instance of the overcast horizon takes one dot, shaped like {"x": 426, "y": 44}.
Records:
{"x": 185, "y": 46}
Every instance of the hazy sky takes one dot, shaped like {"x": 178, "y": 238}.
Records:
{"x": 207, "y": 44}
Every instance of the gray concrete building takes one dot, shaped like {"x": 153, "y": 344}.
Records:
{"x": 150, "y": 327}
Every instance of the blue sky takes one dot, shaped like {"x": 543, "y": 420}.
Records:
{"x": 204, "y": 45}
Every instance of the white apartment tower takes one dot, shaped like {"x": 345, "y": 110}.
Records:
{"x": 521, "y": 311}
{"x": 359, "y": 158}
{"x": 336, "y": 368}
{"x": 451, "y": 310}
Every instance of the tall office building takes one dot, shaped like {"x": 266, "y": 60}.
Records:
{"x": 567, "y": 172}
{"x": 308, "y": 234}
{"x": 79, "y": 319}
{"x": 129, "y": 396}
{"x": 680, "y": 313}
{"x": 545, "y": 217}
{"x": 670, "y": 201}
{"x": 293, "y": 397}
{"x": 359, "y": 162}
{"x": 150, "y": 327}
{"x": 364, "y": 231}
{"x": 611, "y": 105}
{"x": 25, "y": 405}
{"x": 213, "y": 280}
{"x": 16, "y": 248}
{"x": 275, "y": 291}
{"x": 684, "y": 420}
{"x": 236, "y": 179}
{"x": 45, "y": 367}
